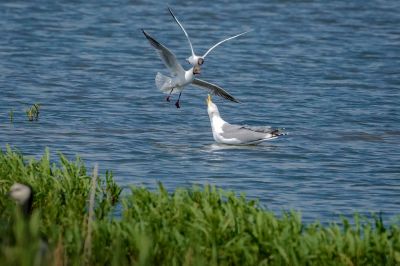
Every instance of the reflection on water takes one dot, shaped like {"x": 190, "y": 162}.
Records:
{"x": 215, "y": 147}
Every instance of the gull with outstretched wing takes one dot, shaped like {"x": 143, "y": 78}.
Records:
{"x": 180, "y": 78}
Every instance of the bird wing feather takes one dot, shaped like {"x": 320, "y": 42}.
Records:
{"x": 214, "y": 89}
{"x": 166, "y": 56}
{"x": 184, "y": 31}
{"x": 224, "y": 40}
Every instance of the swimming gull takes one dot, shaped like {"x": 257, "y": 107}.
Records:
{"x": 181, "y": 78}
{"x": 225, "y": 133}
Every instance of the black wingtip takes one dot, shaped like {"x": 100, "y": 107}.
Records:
{"x": 172, "y": 14}
{"x": 170, "y": 11}
{"x": 233, "y": 99}
{"x": 229, "y": 97}
{"x": 152, "y": 41}
{"x": 148, "y": 36}
{"x": 145, "y": 34}
{"x": 278, "y": 132}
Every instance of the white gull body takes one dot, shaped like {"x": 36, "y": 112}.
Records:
{"x": 226, "y": 133}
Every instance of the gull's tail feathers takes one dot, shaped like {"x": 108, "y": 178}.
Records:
{"x": 278, "y": 132}
{"x": 163, "y": 83}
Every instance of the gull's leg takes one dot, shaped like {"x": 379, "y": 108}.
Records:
{"x": 169, "y": 95}
{"x": 177, "y": 102}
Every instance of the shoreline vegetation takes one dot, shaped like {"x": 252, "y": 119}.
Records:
{"x": 197, "y": 226}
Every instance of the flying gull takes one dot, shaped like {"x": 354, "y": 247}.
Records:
{"x": 181, "y": 78}
{"x": 225, "y": 133}
{"x": 195, "y": 59}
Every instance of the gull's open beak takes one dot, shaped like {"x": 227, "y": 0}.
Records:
{"x": 209, "y": 99}
{"x": 197, "y": 70}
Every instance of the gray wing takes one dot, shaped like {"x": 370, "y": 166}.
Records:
{"x": 264, "y": 129}
{"x": 166, "y": 55}
{"x": 247, "y": 134}
{"x": 275, "y": 132}
{"x": 213, "y": 89}
{"x": 184, "y": 31}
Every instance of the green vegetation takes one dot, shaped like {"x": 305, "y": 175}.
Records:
{"x": 198, "y": 226}
{"x": 33, "y": 112}
{"x": 11, "y": 115}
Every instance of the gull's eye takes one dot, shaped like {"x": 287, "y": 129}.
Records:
{"x": 200, "y": 61}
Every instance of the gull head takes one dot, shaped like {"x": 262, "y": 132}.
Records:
{"x": 195, "y": 60}
{"x": 200, "y": 61}
{"x": 20, "y": 193}
{"x": 196, "y": 70}
{"x": 212, "y": 108}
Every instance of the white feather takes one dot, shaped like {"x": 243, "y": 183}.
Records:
{"x": 163, "y": 83}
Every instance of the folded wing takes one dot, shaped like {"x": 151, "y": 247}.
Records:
{"x": 166, "y": 56}
{"x": 265, "y": 129}
{"x": 214, "y": 89}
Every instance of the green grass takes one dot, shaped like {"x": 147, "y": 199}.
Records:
{"x": 197, "y": 226}
{"x": 33, "y": 112}
{"x": 11, "y": 115}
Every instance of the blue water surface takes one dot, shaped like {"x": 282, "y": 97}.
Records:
{"x": 327, "y": 72}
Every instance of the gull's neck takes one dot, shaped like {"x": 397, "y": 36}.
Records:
{"x": 217, "y": 122}
{"x": 189, "y": 76}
